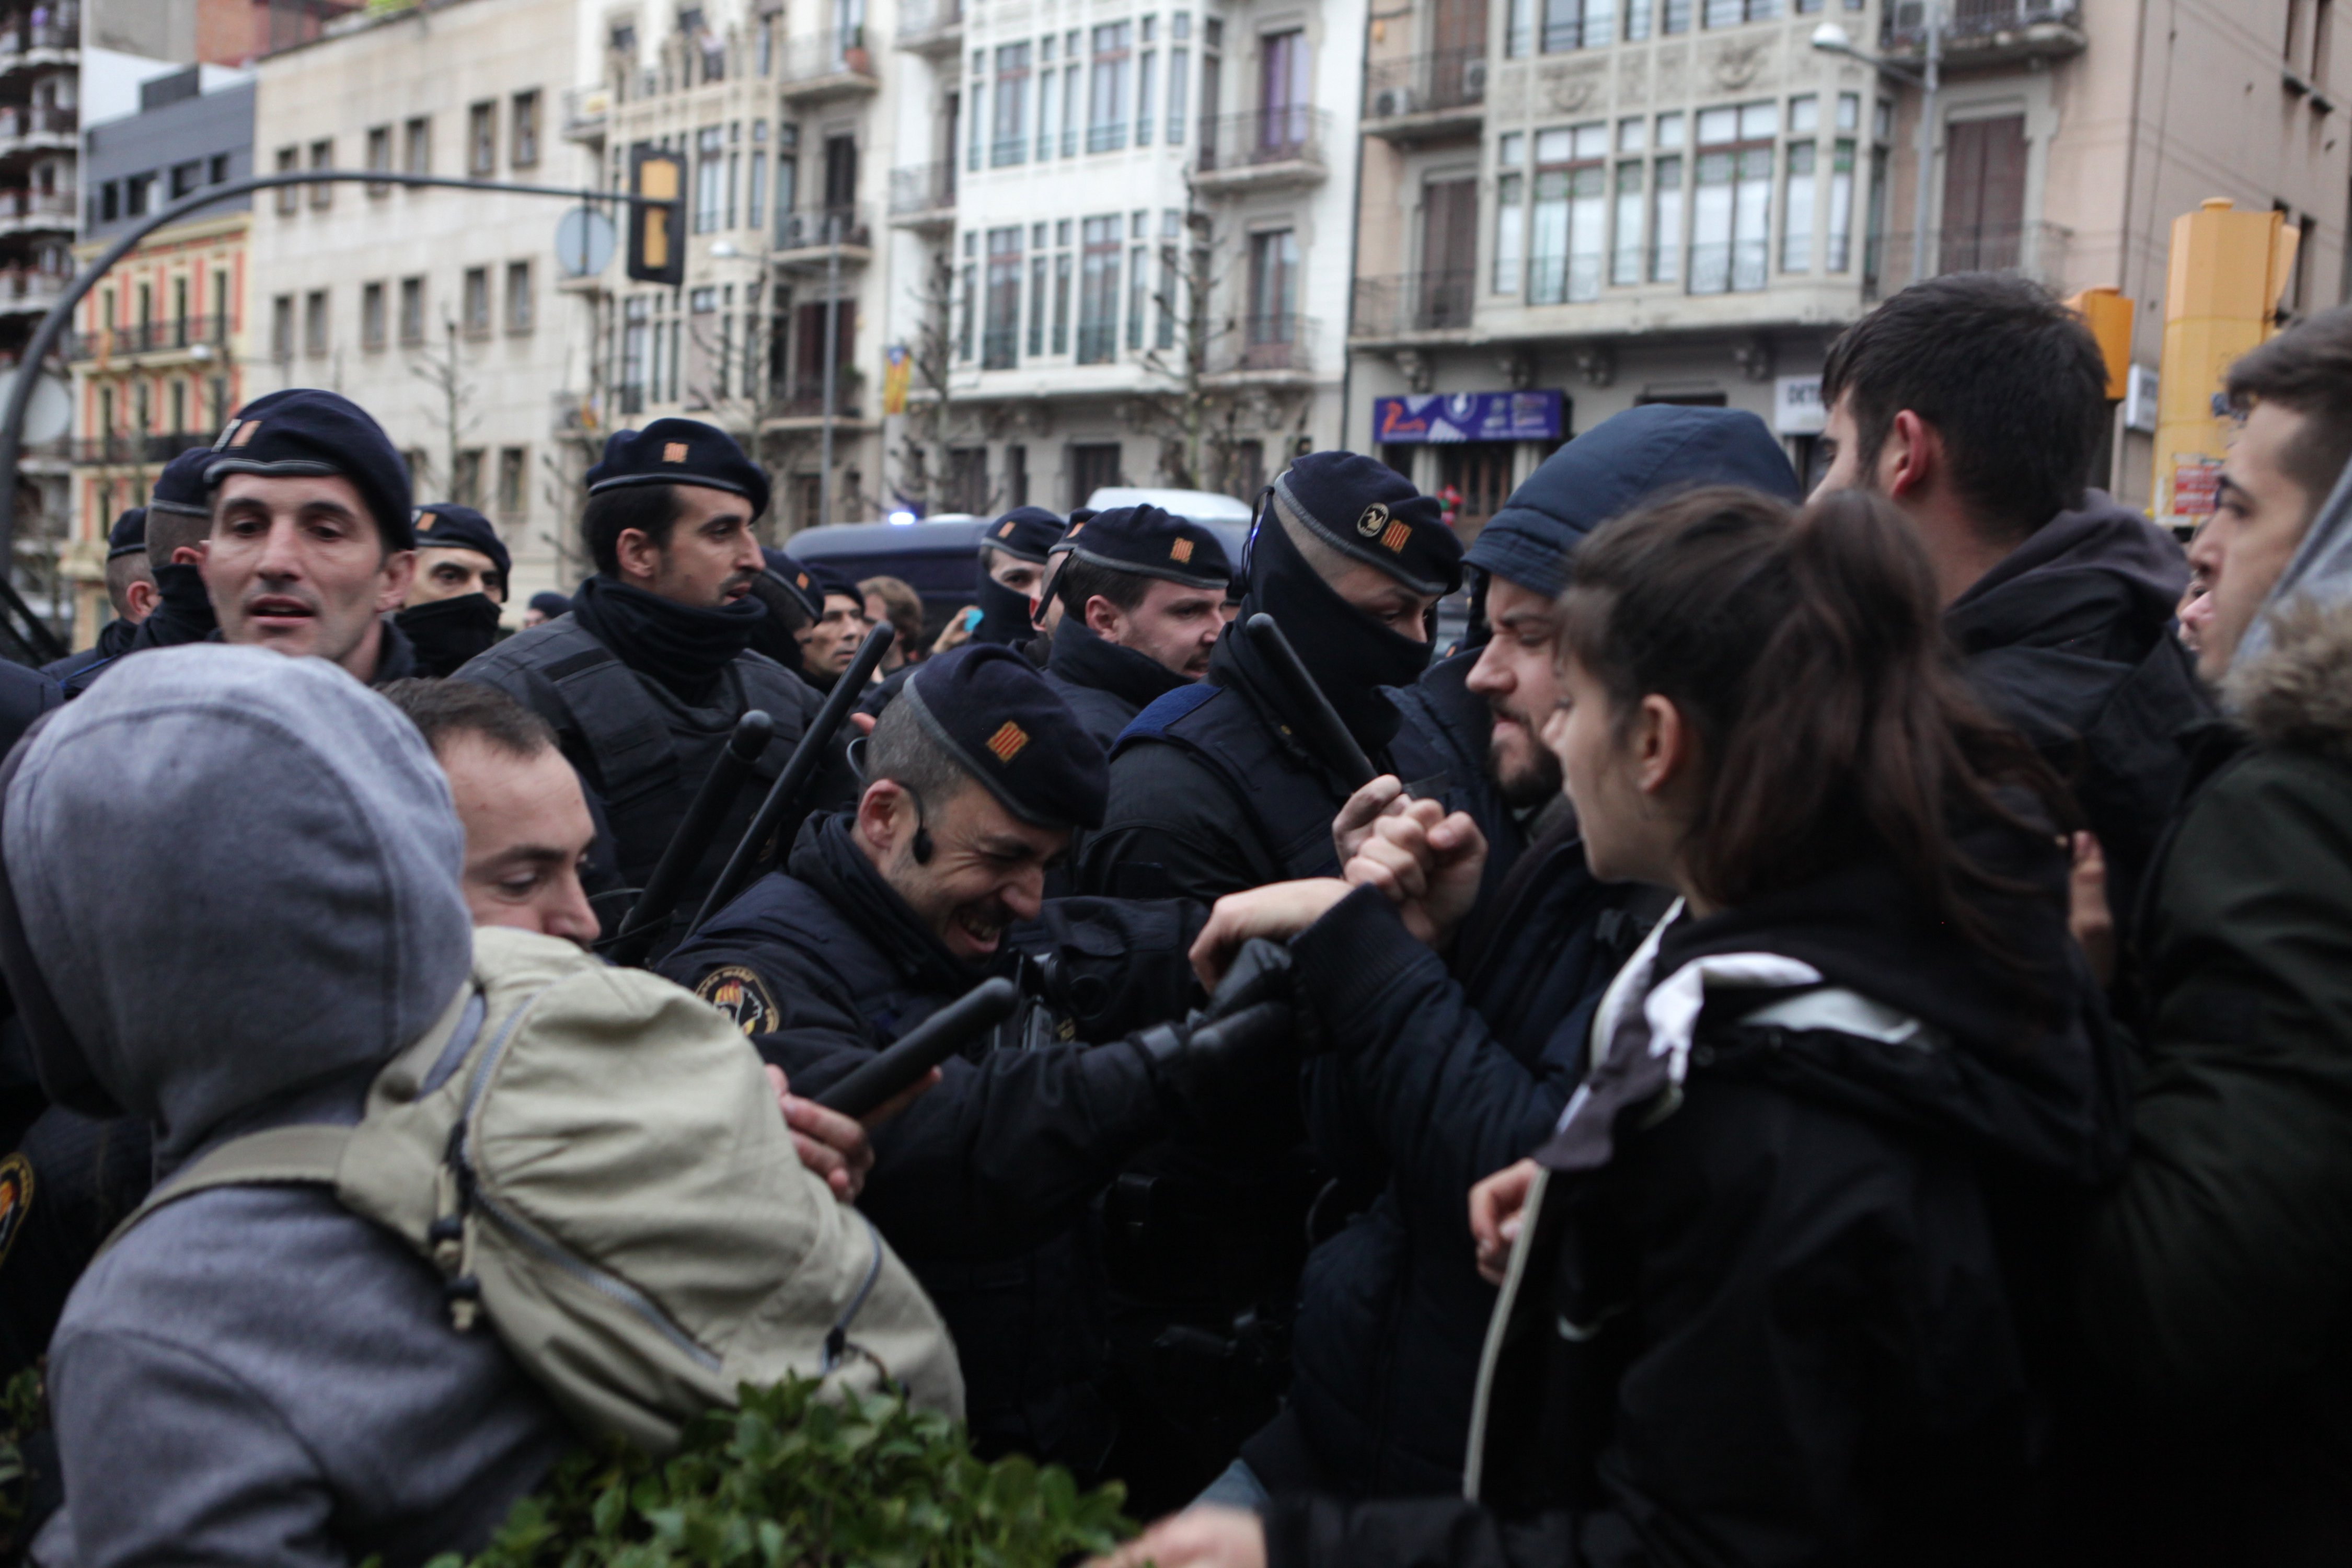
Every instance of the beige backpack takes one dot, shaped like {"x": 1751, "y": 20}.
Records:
{"x": 595, "y": 1161}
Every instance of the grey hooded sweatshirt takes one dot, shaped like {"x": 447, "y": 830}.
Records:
{"x": 239, "y": 875}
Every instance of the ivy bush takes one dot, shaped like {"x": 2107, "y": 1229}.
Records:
{"x": 794, "y": 1479}
{"x": 21, "y": 1414}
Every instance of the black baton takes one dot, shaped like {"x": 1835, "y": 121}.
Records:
{"x": 650, "y": 914}
{"x": 807, "y": 758}
{"x": 1325, "y": 736}
{"x": 923, "y": 1048}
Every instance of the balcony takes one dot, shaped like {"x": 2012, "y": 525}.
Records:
{"x": 923, "y": 197}
{"x": 800, "y": 409}
{"x": 29, "y": 291}
{"x": 1412, "y": 304}
{"x": 830, "y": 65}
{"x": 1264, "y": 351}
{"x": 809, "y": 238}
{"x": 1434, "y": 97}
{"x": 177, "y": 336}
{"x": 930, "y": 27}
{"x": 32, "y": 128}
{"x": 27, "y": 46}
{"x": 127, "y": 448}
{"x": 1262, "y": 150}
{"x": 36, "y": 212}
{"x": 2038, "y": 250}
{"x": 1000, "y": 348}
{"x": 586, "y": 109}
{"x": 1988, "y": 32}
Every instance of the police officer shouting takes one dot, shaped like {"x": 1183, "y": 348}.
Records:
{"x": 644, "y": 680}
{"x": 978, "y": 775}
{"x": 1142, "y": 594}
{"x": 462, "y": 568}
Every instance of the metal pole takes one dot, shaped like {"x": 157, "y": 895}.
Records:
{"x": 53, "y": 325}
{"x": 1924, "y": 205}
{"x": 832, "y": 350}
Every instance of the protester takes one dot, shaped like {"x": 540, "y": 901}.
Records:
{"x": 976, "y": 777}
{"x": 1474, "y": 1074}
{"x": 894, "y": 600}
{"x": 1141, "y": 592}
{"x": 1778, "y": 1271}
{"x": 462, "y": 570}
{"x": 1213, "y": 788}
{"x": 1975, "y": 402}
{"x": 829, "y": 641}
{"x": 544, "y": 606}
{"x": 647, "y": 678}
{"x": 2218, "y": 1275}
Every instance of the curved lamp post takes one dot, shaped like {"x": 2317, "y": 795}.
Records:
{"x": 1830, "y": 39}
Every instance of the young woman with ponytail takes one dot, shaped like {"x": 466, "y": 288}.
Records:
{"x": 1779, "y": 1287}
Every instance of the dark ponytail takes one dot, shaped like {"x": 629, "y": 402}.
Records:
{"x": 1808, "y": 650}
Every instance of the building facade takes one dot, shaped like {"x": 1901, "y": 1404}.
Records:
{"x": 158, "y": 348}
{"x": 1572, "y": 206}
{"x": 1126, "y": 237}
{"x": 438, "y": 311}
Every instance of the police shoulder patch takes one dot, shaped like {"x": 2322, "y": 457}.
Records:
{"x": 15, "y": 1200}
{"x": 739, "y": 992}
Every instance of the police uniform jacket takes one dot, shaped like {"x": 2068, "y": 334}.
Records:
{"x": 983, "y": 1183}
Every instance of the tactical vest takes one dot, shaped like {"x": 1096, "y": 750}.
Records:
{"x": 649, "y": 751}
{"x": 1287, "y": 800}
{"x": 1105, "y": 714}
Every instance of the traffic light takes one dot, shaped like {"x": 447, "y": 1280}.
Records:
{"x": 656, "y": 255}
{"x": 2221, "y": 293}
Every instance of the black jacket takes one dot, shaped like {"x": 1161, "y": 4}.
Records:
{"x": 2070, "y": 640}
{"x": 1106, "y": 685}
{"x": 1799, "y": 1314}
{"x": 982, "y": 1184}
{"x": 1440, "y": 1079}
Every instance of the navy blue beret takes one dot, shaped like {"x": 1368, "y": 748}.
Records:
{"x": 306, "y": 430}
{"x": 182, "y": 487}
{"x": 679, "y": 452}
{"x": 1370, "y": 512}
{"x": 129, "y": 534}
{"x": 1026, "y": 533}
{"x": 798, "y": 581}
{"x": 1149, "y": 542}
{"x": 551, "y": 604}
{"x": 1614, "y": 467}
{"x": 832, "y": 579}
{"x": 994, "y": 714}
{"x": 446, "y": 526}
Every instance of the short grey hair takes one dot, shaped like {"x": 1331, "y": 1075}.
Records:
{"x": 902, "y": 751}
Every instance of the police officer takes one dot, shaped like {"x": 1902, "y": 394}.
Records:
{"x": 829, "y": 642}
{"x": 1212, "y": 788}
{"x": 130, "y": 588}
{"x": 646, "y": 678}
{"x": 1142, "y": 595}
{"x": 794, "y": 602}
{"x": 1012, "y": 571}
{"x": 312, "y": 543}
{"x": 173, "y": 527}
{"x": 977, "y": 776}
{"x": 462, "y": 568}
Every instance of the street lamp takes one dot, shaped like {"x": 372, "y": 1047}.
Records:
{"x": 1830, "y": 39}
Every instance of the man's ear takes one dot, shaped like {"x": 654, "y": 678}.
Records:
{"x": 1104, "y": 618}
{"x": 140, "y": 599}
{"x": 638, "y": 556}
{"x": 885, "y": 813}
{"x": 398, "y": 576}
{"x": 1911, "y": 459}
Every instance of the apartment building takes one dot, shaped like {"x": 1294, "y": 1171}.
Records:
{"x": 158, "y": 348}
{"x": 439, "y": 311}
{"x": 1572, "y": 206}
{"x": 777, "y": 112}
{"x": 1125, "y": 233}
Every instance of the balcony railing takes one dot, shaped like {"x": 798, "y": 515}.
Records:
{"x": 1097, "y": 342}
{"x": 1000, "y": 348}
{"x": 62, "y": 31}
{"x": 20, "y": 119}
{"x": 149, "y": 337}
{"x": 928, "y": 23}
{"x": 584, "y": 112}
{"x": 1263, "y": 138}
{"x": 37, "y": 209}
{"x": 1722, "y": 267}
{"x": 30, "y": 288}
{"x": 827, "y": 56}
{"x": 850, "y": 226}
{"x": 2038, "y": 250}
{"x": 1413, "y": 302}
{"x": 1967, "y": 20}
{"x": 125, "y": 447}
{"x": 1419, "y": 84}
{"x": 1265, "y": 342}
{"x": 923, "y": 188}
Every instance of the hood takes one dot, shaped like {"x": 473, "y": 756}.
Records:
{"x": 2298, "y": 692}
{"x": 238, "y": 876}
{"x": 1621, "y": 462}
{"x": 2318, "y": 574}
{"x": 2102, "y": 581}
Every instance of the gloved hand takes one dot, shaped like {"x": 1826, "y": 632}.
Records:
{"x": 1235, "y": 1060}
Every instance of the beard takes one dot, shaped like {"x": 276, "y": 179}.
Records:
{"x": 1526, "y": 773}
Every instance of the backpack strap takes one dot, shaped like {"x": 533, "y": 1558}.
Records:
{"x": 278, "y": 1156}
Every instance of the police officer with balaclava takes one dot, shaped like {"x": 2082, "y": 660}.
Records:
{"x": 646, "y": 678}
{"x": 462, "y": 571}
{"x": 1012, "y": 570}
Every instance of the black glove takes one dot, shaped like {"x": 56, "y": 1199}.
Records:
{"x": 1212, "y": 1072}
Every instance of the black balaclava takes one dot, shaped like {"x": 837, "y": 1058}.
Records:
{"x": 1350, "y": 655}
{"x": 684, "y": 646}
{"x": 446, "y": 633}
{"x": 1004, "y": 614}
{"x": 183, "y": 608}
{"x": 778, "y": 633}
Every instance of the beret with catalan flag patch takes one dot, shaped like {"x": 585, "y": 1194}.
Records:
{"x": 445, "y": 525}
{"x": 1025, "y": 531}
{"x": 1150, "y": 542}
{"x": 307, "y": 430}
{"x": 679, "y": 452}
{"x": 1370, "y": 512}
{"x": 991, "y": 711}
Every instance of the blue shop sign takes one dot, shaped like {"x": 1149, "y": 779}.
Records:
{"x": 1467, "y": 416}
